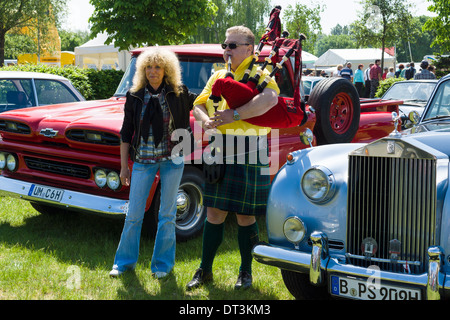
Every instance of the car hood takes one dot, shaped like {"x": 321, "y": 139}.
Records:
{"x": 428, "y": 140}
{"x": 51, "y": 123}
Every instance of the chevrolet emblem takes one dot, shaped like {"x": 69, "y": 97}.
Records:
{"x": 48, "y": 132}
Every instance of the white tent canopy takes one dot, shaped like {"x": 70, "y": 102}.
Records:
{"x": 334, "y": 57}
{"x": 308, "y": 60}
{"x": 96, "y": 55}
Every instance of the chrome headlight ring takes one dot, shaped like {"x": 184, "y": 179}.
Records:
{"x": 294, "y": 230}
{"x": 113, "y": 180}
{"x": 2, "y": 160}
{"x": 110, "y": 178}
{"x": 12, "y": 162}
{"x": 318, "y": 184}
{"x": 100, "y": 178}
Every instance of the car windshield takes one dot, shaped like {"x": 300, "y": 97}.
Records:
{"x": 440, "y": 105}
{"x": 196, "y": 71}
{"x": 410, "y": 90}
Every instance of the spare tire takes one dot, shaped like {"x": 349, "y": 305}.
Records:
{"x": 337, "y": 109}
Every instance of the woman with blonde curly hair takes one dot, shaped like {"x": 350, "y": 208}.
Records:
{"x": 156, "y": 105}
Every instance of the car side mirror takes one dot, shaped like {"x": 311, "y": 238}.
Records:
{"x": 306, "y": 137}
{"x": 414, "y": 117}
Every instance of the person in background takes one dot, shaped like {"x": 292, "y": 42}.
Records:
{"x": 399, "y": 71}
{"x": 358, "y": 80}
{"x": 347, "y": 72}
{"x": 403, "y": 73}
{"x": 156, "y": 105}
{"x": 367, "y": 81}
{"x": 391, "y": 73}
{"x": 385, "y": 72}
{"x": 375, "y": 78}
{"x": 424, "y": 73}
{"x": 410, "y": 72}
{"x": 338, "y": 70}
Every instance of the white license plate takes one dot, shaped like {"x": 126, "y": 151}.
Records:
{"x": 47, "y": 193}
{"x": 364, "y": 290}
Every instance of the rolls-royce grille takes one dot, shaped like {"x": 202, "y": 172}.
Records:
{"x": 391, "y": 212}
{"x": 62, "y": 168}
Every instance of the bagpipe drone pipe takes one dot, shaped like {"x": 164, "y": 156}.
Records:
{"x": 287, "y": 112}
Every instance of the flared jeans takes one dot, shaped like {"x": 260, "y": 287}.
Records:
{"x": 143, "y": 175}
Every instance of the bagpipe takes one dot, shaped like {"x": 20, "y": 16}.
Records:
{"x": 287, "y": 112}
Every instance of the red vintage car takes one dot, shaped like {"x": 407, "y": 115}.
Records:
{"x": 66, "y": 156}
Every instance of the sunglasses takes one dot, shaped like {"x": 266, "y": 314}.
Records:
{"x": 233, "y": 45}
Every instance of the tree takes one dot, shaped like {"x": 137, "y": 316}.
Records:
{"x": 302, "y": 19}
{"x": 440, "y": 24}
{"x": 133, "y": 23}
{"x": 27, "y": 13}
{"x": 16, "y": 44}
{"x": 250, "y": 13}
{"x": 70, "y": 39}
{"x": 420, "y": 44}
{"x": 382, "y": 23}
{"x": 339, "y": 41}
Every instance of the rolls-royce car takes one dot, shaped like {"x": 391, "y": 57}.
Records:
{"x": 369, "y": 220}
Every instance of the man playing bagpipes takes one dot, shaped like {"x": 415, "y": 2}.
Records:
{"x": 242, "y": 189}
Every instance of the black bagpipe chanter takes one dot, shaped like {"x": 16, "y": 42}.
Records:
{"x": 286, "y": 113}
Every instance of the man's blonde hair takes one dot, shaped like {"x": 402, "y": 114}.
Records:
{"x": 163, "y": 58}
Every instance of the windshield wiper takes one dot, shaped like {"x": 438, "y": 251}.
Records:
{"x": 438, "y": 118}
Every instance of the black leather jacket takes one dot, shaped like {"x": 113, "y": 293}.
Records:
{"x": 179, "y": 107}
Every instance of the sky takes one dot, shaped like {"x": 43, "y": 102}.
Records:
{"x": 342, "y": 12}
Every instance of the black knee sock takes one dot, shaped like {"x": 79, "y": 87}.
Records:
{"x": 247, "y": 238}
{"x": 212, "y": 238}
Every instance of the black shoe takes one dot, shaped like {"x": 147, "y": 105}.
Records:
{"x": 244, "y": 280}
{"x": 200, "y": 277}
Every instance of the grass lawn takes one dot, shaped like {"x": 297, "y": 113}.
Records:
{"x": 68, "y": 256}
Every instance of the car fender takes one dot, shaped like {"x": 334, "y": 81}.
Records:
{"x": 286, "y": 197}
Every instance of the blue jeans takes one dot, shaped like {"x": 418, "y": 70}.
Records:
{"x": 142, "y": 177}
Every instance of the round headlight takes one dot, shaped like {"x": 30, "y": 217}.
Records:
{"x": 318, "y": 184}
{"x": 2, "y": 161}
{"x": 11, "y": 162}
{"x": 294, "y": 229}
{"x": 113, "y": 180}
{"x": 100, "y": 178}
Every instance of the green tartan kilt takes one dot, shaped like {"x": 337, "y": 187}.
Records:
{"x": 243, "y": 189}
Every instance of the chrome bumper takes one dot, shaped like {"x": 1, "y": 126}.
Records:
{"x": 72, "y": 200}
{"x": 319, "y": 263}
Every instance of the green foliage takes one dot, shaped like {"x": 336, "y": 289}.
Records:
{"x": 103, "y": 82}
{"x": 134, "y": 23}
{"x": 21, "y": 13}
{"x": 385, "y": 85}
{"x": 16, "y": 44}
{"x": 92, "y": 84}
{"x": 251, "y": 13}
{"x": 302, "y": 19}
{"x": 382, "y": 23}
{"x": 340, "y": 41}
{"x": 442, "y": 66}
{"x": 439, "y": 24}
{"x": 70, "y": 39}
